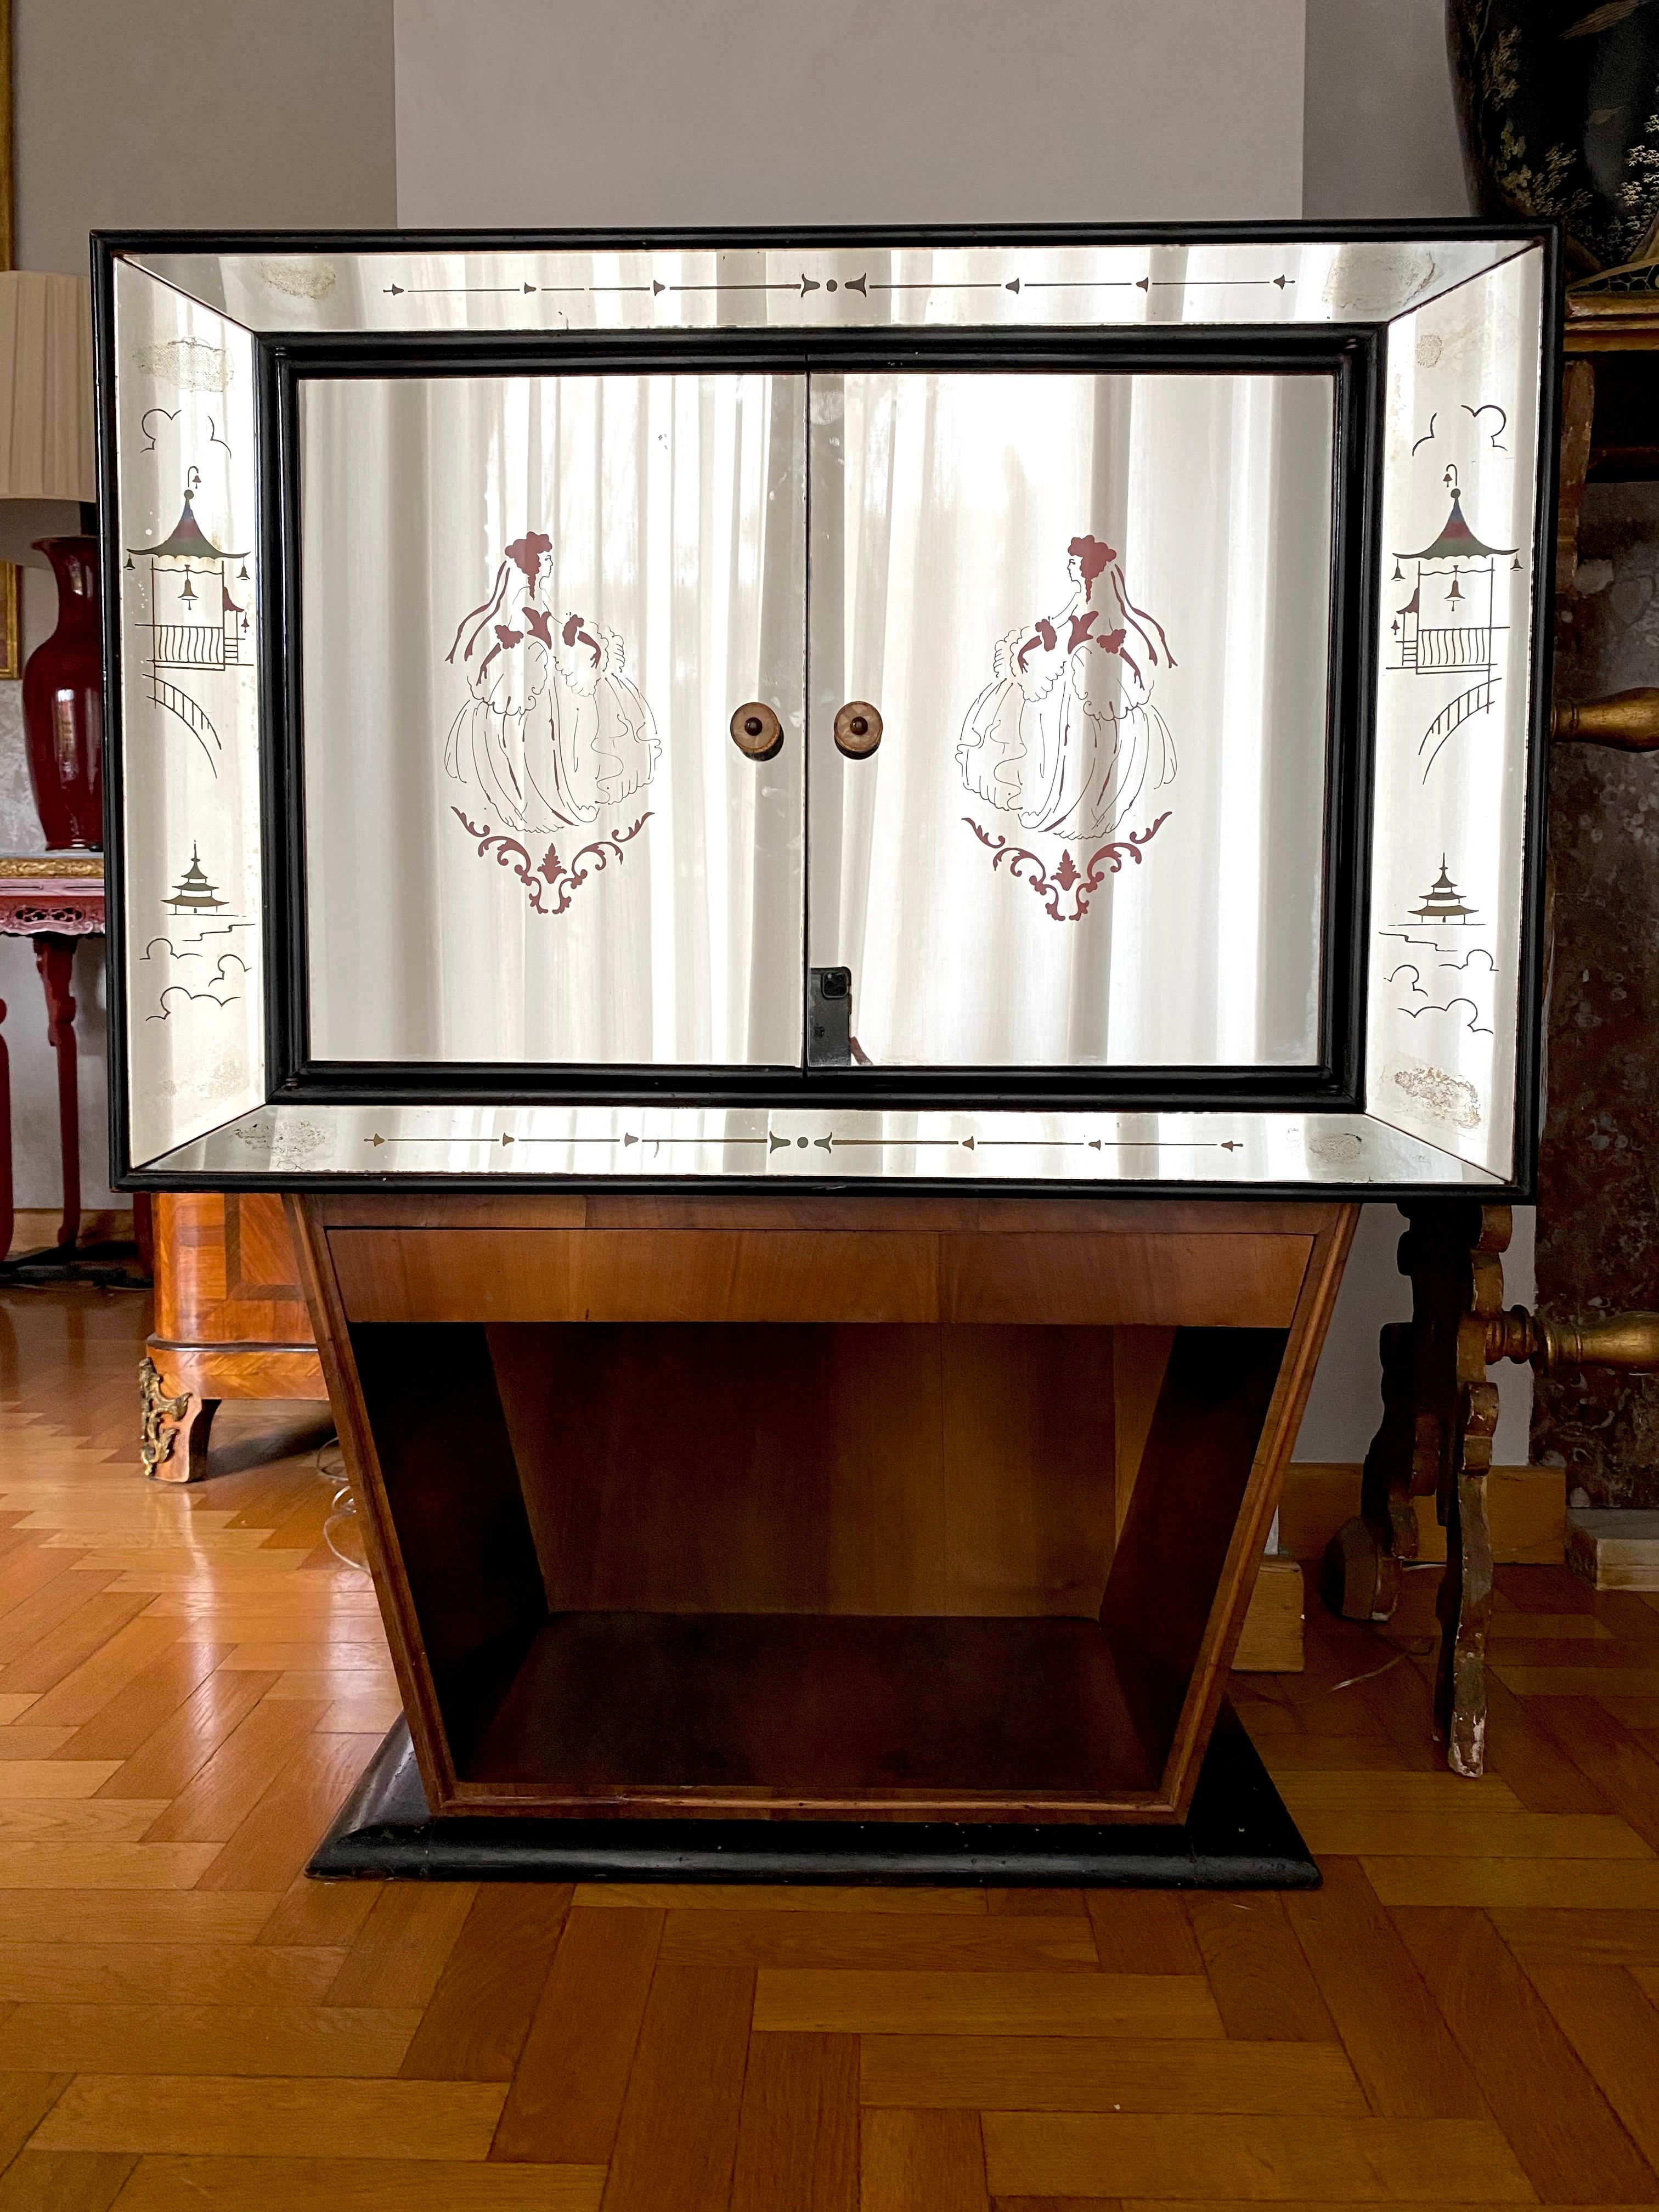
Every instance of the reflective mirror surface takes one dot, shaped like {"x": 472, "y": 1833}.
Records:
{"x": 1458, "y": 570}
{"x": 531, "y": 607}
{"x": 1094, "y": 614}
{"x": 187, "y": 595}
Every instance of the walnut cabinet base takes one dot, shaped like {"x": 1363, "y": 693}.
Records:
{"x": 915, "y": 1509}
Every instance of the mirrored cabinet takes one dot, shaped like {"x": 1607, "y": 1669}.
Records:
{"x": 1052, "y": 707}
{"x": 824, "y": 865}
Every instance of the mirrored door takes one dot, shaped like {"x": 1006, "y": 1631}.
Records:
{"x": 1069, "y": 650}
{"x": 552, "y": 632}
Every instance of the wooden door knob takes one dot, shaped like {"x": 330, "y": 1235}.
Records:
{"x": 858, "y": 729}
{"x": 757, "y": 731}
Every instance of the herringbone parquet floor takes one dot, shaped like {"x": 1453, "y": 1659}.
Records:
{"x": 1466, "y": 2014}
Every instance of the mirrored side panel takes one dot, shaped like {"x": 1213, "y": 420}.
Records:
{"x": 1458, "y": 573}
{"x": 552, "y": 633}
{"x": 190, "y": 606}
{"x": 1089, "y": 616}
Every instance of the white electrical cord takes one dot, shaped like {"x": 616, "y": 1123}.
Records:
{"x": 332, "y": 1469}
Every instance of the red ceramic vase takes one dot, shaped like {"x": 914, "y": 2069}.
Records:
{"x": 64, "y": 704}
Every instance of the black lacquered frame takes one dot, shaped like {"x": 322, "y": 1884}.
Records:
{"x": 1349, "y": 358}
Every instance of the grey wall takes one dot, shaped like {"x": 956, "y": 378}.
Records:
{"x": 1379, "y": 135}
{"x": 846, "y": 111}
{"x": 135, "y": 113}
{"x": 237, "y": 114}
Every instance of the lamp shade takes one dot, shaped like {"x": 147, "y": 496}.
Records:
{"x": 46, "y": 386}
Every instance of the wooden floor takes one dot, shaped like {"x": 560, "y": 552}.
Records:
{"x": 1466, "y": 2014}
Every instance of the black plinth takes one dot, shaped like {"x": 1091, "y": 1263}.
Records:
{"x": 1238, "y": 1835}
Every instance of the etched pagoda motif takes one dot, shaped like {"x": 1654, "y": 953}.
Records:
{"x": 1444, "y": 902}
{"x": 1448, "y": 626}
{"x": 193, "y": 893}
{"x": 198, "y": 626}
{"x": 196, "y": 968}
{"x": 192, "y": 627}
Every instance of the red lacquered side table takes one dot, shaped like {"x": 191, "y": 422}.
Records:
{"x": 52, "y": 901}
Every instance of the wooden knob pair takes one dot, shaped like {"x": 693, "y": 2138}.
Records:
{"x": 758, "y": 733}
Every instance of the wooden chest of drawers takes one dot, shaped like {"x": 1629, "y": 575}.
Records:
{"x": 230, "y": 1322}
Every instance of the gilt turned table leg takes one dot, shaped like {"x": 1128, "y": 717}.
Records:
{"x": 54, "y": 955}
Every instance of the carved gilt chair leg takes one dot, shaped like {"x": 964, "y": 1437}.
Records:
{"x": 1464, "y": 1606}
{"x": 173, "y": 1431}
{"x": 1435, "y": 1440}
{"x": 1359, "y": 1577}
{"x": 1464, "y": 1601}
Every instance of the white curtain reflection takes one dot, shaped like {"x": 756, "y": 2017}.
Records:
{"x": 1093, "y": 614}
{"x": 531, "y": 606}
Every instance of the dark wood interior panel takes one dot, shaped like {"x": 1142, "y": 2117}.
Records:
{"x": 709, "y": 1469}
{"x": 1029, "y": 1467}
{"x": 452, "y": 1490}
{"x": 1140, "y": 1359}
{"x": 819, "y": 1709}
{"x": 1167, "y": 1568}
{"x": 770, "y": 1468}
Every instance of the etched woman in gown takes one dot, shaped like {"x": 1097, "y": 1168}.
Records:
{"x": 605, "y": 746}
{"x": 508, "y": 667}
{"x": 554, "y": 729}
{"x": 1065, "y": 737}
